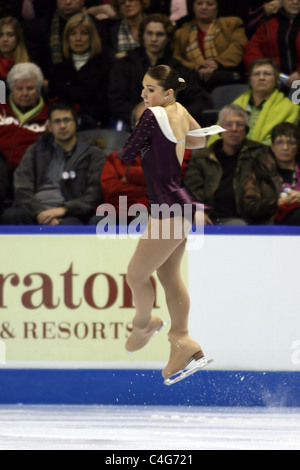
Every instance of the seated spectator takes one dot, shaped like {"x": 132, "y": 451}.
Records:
{"x": 46, "y": 34}
{"x": 57, "y": 182}
{"x": 124, "y": 179}
{"x": 278, "y": 38}
{"x": 265, "y": 104}
{"x": 124, "y": 30}
{"x": 12, "y": 46}
{"x": 252, "y": 12}
{"x": 65, "y": 10}
{"x": 285, "y": 147}
{"x": 23, "y": 118}
{"x": 82, "y": 78}
{"x": 259, "y": 11}
{"x": 218, "y": 174}
{"x": 4, "y": 181}
{"x": 156, "y": 35}
{"x": 210, "y": 45}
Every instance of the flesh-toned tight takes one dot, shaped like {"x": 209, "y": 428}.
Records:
{"x": 165, "y": 257}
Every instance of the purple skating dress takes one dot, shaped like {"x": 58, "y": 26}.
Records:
{"x": 155, "y": 140}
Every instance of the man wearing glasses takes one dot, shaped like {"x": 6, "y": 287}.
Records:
{"x": 58, "y": 180}
{"x": 219, "y": 175}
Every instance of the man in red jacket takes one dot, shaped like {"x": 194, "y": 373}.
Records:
{"x": 23, "y": 119}
{"x": 279, "y": 39}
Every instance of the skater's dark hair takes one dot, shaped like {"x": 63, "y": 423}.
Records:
{"x": 167, "y": 78}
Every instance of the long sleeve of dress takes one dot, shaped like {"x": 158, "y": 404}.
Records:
{"x": 139, "y": 140}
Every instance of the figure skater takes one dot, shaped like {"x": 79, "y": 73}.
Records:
{"x": 162, "y": 134}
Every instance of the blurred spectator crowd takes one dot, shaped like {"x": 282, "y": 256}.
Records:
{"x": 71, "y": 75}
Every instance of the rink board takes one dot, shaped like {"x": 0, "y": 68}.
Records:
{"x": 66, "y": 309}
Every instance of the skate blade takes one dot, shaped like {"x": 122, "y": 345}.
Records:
{"x": 163, "y": 325}
{"x": 183, "y": 374}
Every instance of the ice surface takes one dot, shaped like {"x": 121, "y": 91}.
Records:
{"x": 147, "y": 428}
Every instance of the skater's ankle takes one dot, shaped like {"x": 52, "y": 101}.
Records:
{"x": 141, "y": 325}
{"x": 175, "y": 335}
{"x": 146, "y": 326}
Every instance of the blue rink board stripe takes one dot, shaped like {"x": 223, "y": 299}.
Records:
{"x": 145, "y": 387}
{"x": 261, "y": 230}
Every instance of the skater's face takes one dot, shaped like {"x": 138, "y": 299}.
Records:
{"x": 154, "y": 95}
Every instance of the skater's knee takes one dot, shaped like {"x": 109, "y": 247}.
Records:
{"x": 134, "y": 279}
{"x": 166, "y": 278}
{"x": 162, "y": 276}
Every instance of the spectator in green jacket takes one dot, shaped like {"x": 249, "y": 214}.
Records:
{"x": 265, "y": 104}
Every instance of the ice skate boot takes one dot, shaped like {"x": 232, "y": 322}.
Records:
{"x": 140, "y": 337}
{"x": 184, "y": 352}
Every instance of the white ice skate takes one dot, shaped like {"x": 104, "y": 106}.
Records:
{"x": 191, "y": 369}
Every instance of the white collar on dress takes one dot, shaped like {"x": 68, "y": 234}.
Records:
{"x": 163, "y": 121}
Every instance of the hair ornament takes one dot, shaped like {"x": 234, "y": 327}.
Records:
{"x": 181, "y": 80}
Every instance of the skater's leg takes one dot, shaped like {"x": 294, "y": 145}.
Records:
{"x": 151, "y": 253}
{"x": 183, "y": 348}
{"x": 149, "y": 256}
{"x": 177, "y": 296}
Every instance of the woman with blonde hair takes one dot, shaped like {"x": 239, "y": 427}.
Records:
{"x": 87, "y": 25}
{"x": 12, "y": 45}
{"x": 82, "y": 77}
